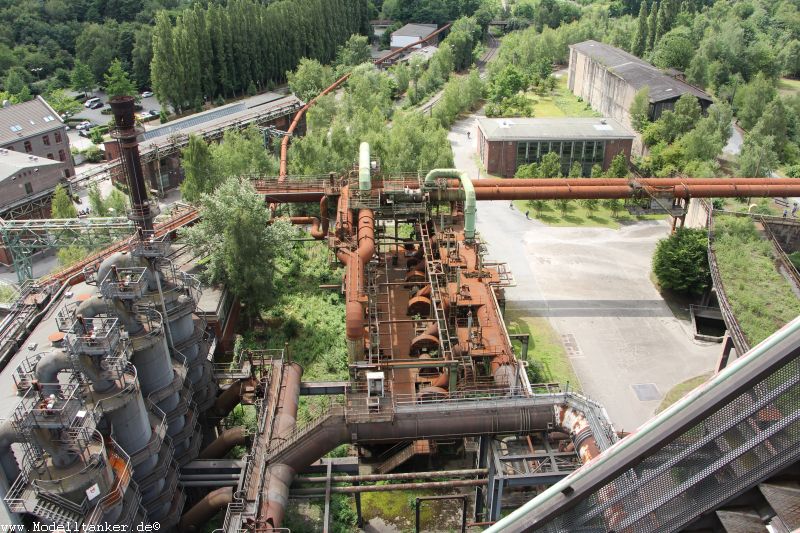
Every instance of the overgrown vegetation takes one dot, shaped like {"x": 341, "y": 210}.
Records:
{"x": 338, "y": 124}
{"x": 762, "y": 299}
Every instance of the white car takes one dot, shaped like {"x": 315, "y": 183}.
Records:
{"x": 147, "y": 94}
{"x": 85, "y": 125}
{"x": 91, "y": 102}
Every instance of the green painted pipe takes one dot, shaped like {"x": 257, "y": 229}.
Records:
{"x": 469, "y": 196}
{"x": 364, "y": 171}
{"x": 511, "y": 522}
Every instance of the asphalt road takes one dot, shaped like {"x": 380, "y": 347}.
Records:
{"x": 593, "y": 286}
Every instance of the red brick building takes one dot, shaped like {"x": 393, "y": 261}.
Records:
{"x": 506, "y": 143}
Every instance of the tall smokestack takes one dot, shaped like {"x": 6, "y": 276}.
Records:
{"x": 126, "y": 132}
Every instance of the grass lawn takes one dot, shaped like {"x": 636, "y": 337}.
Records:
{"x": 560, "y": 103}
{"x": 544, "y": 347}
{"x": 761, "y": 297}
{"x": 681, "y": 389}
{"x": 578, "y": 215}
{"x": 788, "y": 87}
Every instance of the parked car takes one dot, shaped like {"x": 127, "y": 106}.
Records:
{"x": 85, "y": 125}
{"x": 151, "y": 112}
{"x": 147, "y": 94}
{"x": 96, "y": 105}
{"x": 91, "y": 102}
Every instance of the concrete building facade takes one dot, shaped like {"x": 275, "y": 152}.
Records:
{"x": 506, "y": 143}
{"x": 411, "y": 33}
{"x": 32, "y": 129}
{"x": 609, "y": 78}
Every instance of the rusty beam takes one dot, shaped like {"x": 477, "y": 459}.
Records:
{"x": 383, "y": 477}
{"x": 455, "y": 483}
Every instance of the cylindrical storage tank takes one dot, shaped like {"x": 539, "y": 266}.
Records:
{"x": 132, "y": 431}
{"x": 152, "y": 361}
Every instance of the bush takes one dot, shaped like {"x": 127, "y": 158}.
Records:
{"x": 93, "y": 154}
{"x": 681, "y": 263}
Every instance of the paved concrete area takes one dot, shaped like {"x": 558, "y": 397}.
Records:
{"x": 593, "y": 286}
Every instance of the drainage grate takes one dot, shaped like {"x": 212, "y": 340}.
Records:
{"x": 571, "y": 345}
{"x": 646, "y": 392}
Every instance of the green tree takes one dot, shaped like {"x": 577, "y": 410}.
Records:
{"x": 309, "y": 79}
{"x": 651, "y": 26}
{"x": 675, "y": 49}
{"x": 240, "y": 242}
{"x": 16, "y": 85}
{"x": 639, "y": 42}
{"x": 640, "y": 109}
{"x": 789, "y": 58}
{"x": 575, "y": 171}
{"x": 531, "y": 170}
{"x": 96, "y": 202}
{"x": 613, "y": 205}
{"x": 758, "y": 158}
{"x": 63, "y": 103}
{"x": 82, "y": 78}
{"x": 142, "y": 56}
{"x": 71, "y": 255}
{"x": 618, "y": 167}
{"x": 116, "y": 203}
{"x": 680, "y": 262}
{"x": 550, "y": 166}
{"x": 591, "y": 205}
{"x": 662, "y": 24}
{"x": 751, "y": 100}
{"x": 353, "y": 52}
{"x": 118, "y": 83}
{"x": 597, "y": 171}
{"x": 240, "y": 153}
{"x": 62, "y": 206}
{"x": 198, "y": 167}
{"x": 564, "y": 206}
{"x": 506, "y": 83}
{"x": 97, "y": 45}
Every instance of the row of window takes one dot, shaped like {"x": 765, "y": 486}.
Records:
{"x": 45, "y": 140}
{"x": 587, "y": 153}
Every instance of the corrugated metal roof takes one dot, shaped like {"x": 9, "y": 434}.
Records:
{"x": 638, "y": 73}
{"x": 20, "y": 121}
{"x": 553, "y": 129}
{"x": 210, "y": 119}
{"x": 12, "y": 162}
{"x": 415, "y": 30}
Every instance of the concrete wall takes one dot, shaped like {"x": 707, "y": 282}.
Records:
{"x": 607, "y": 93}
{"x": 787, "y": 233}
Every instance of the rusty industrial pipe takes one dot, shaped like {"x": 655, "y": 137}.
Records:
{"x": 281, "y": 475}
{"x": 319, "y": 228}
{"x": 619, "y": 192}
{"x": 231, "y": 397}
{"x": 220, "y": 446}
{"x": 610, "y": 182}
{"x": 402, "y": 475}
{"x": 453, "y": 483}
{"x": 196, "y": 518}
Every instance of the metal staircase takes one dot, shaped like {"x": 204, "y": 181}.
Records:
{"x": 414, "y": 448}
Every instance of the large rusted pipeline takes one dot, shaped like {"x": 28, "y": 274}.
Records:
{"x": 196, "y": 518}
{"x": 280, "y": 475}
{"x": 417, "y": 423}
{"x": 606, "y": 182}
{"x": 354, "y": 261}
{"x": 600, "y": 193}
{"x": 231, "y": 397}
{"x": 319, "y": 229}
{"x": 220, "y": 446}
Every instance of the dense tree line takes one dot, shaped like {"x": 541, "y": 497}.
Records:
{"x": 226, "y": 50}
{"x": 40, "y": 40}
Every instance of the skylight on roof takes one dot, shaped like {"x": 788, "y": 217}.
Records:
{"x": 16, "y": 127}
{"x": 32, "y": 122}
{"x": 48, "y": 118}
